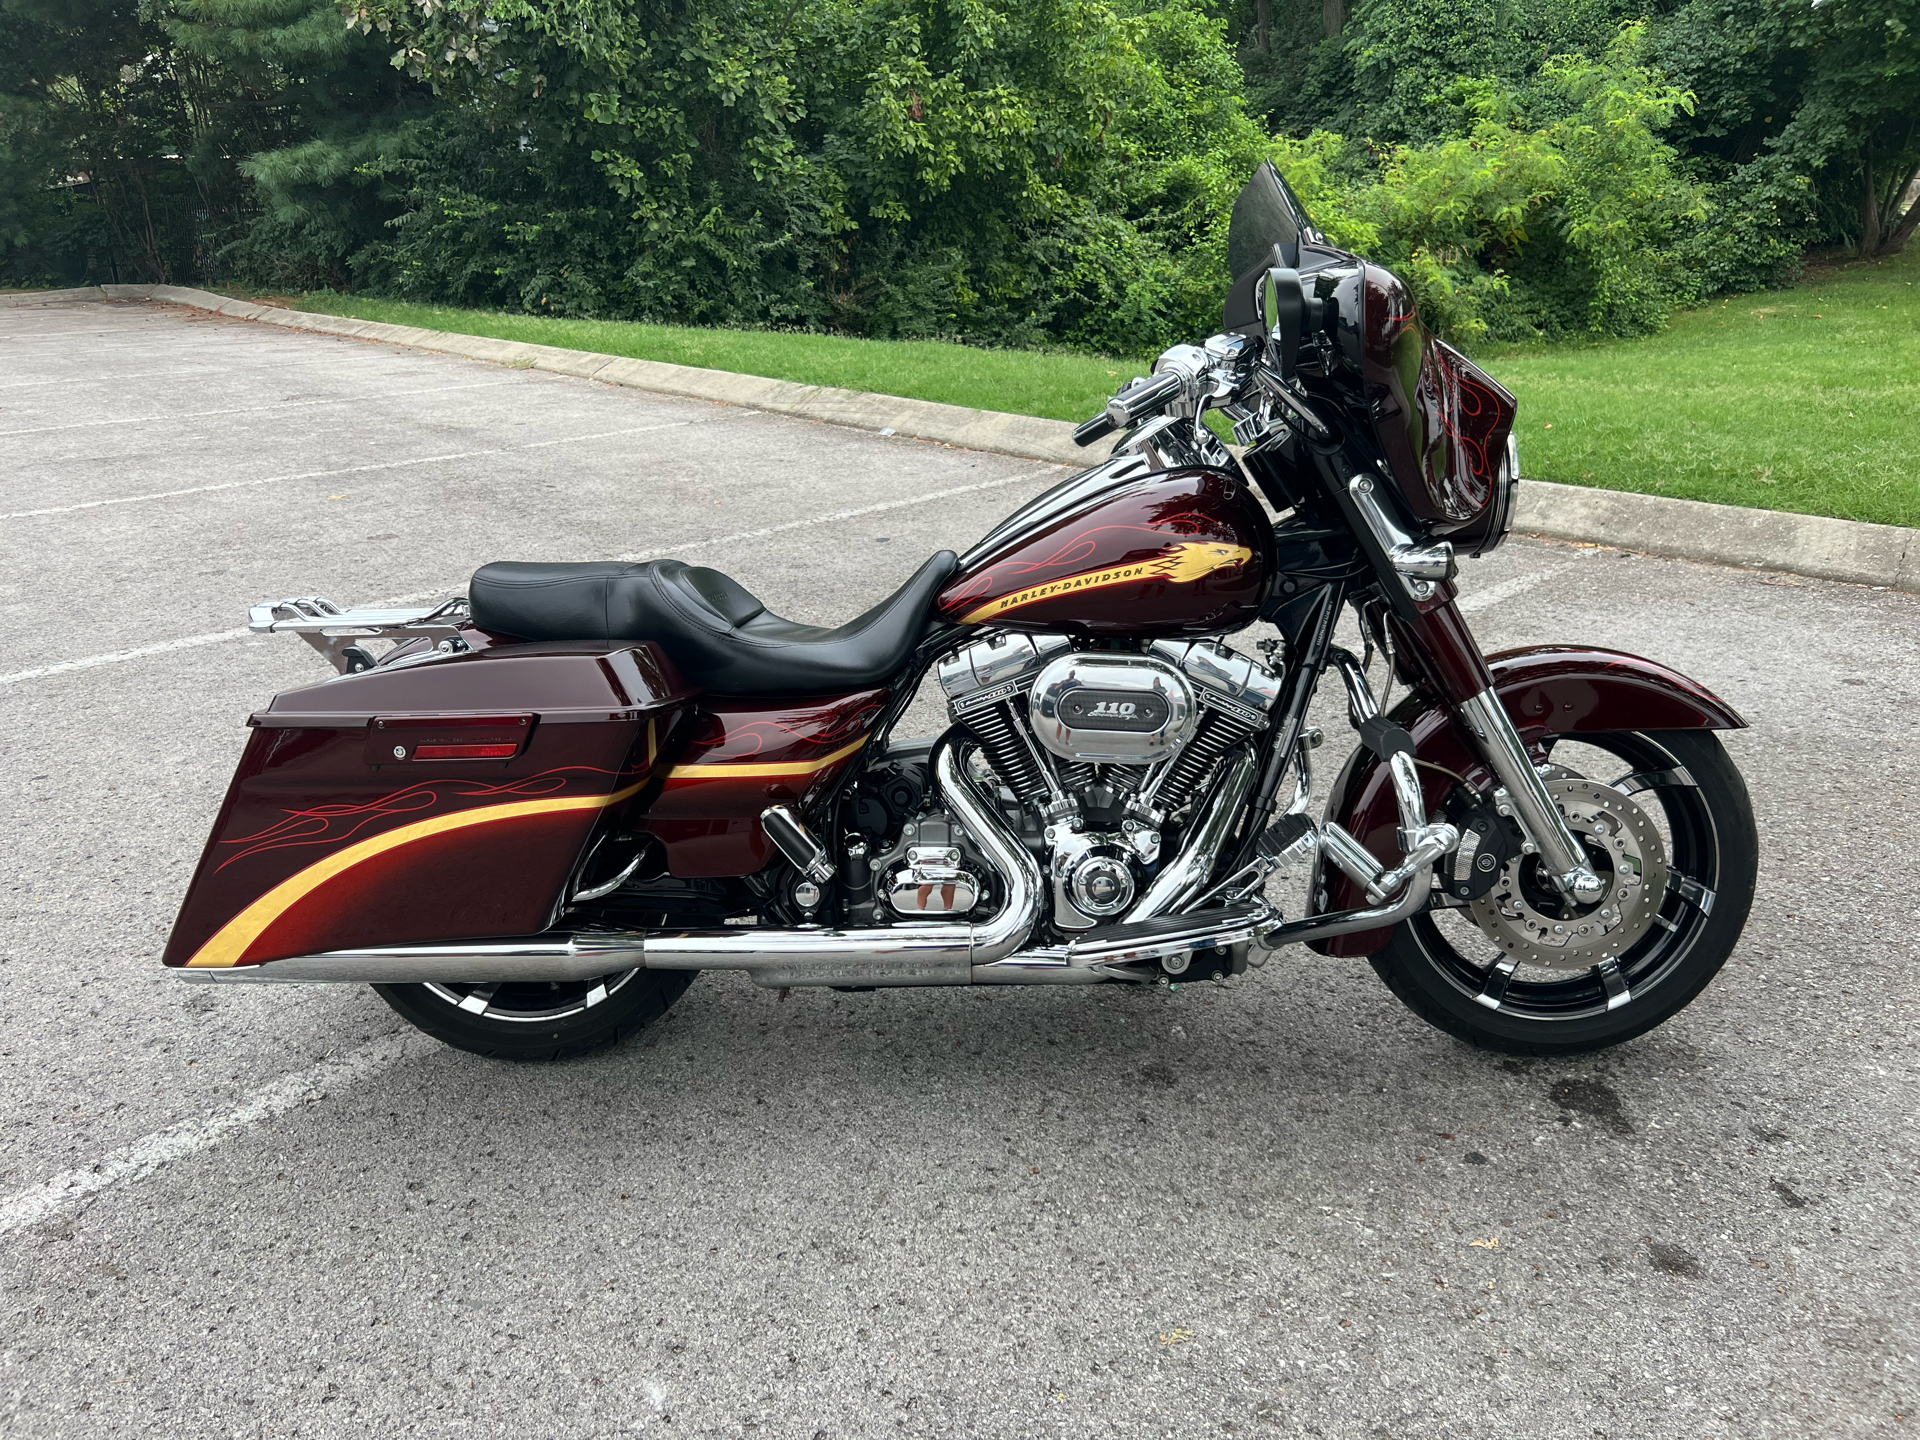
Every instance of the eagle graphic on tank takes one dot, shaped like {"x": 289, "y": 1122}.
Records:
{"x": 1116, "y": 552}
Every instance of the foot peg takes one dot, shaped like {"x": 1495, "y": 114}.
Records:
{"x": 796, "y": 842}
{"x": 1284, "y": 835}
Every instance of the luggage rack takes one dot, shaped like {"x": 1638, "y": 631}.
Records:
{"x": 338, "y": 634}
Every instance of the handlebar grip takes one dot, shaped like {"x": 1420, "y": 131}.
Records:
{"x": 1088, "y": 431}
{"x": 1130, "y": 404}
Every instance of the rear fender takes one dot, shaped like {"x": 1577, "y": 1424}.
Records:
{"x": 1548, "y": 690}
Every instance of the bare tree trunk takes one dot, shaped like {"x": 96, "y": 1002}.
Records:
{"x": 1869, "y": 207}
{"x": 1333, "y": 16}
{"x": 1902, "y": 228}
{"x": 1263, "y": 25}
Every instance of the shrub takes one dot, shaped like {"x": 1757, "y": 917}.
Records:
{"x": 1555, "y": 213}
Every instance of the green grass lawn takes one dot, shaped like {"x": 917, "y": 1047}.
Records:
{"x": 1059, "y": 386}
{"x": 1804, "y": 399}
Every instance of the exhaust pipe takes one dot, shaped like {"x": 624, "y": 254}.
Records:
{"x": 1188, "y": 873}
{"x": 931, "y": 954}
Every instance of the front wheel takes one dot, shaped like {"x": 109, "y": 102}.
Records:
{"x": 1667, "y": 820}
{"x": 543, "y": 1020}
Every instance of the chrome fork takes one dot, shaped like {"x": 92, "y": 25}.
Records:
{"x": 1541, "y": 820}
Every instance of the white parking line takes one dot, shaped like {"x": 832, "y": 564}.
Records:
{"x": 114, "y": 657}
{"x": 346, "y": 470}
{"x": 113, "y": 377}
{"x": 147, "y": 1154}
{"x": 1478, "y": 600}
{"x": 189, "y": 642}
{"x": 256, "y": 409}
{"x": 840, "y": 515}
{"x": 8, "y": 339}
{"x": 1505, "y": 590}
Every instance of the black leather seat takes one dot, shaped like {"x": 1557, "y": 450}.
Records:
{"x": 722, "y": 638}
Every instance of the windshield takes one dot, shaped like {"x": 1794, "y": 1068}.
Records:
{"x": 1266, "y": 215}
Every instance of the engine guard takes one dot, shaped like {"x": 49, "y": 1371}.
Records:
{"x": 1547, "y": 690}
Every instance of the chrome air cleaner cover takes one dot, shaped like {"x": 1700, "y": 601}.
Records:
{"x": 1113, "y": 709}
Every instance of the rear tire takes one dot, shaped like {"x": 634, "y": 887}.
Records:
{"x": 543, "y": 1020}
{"x": 1447, "y": 976}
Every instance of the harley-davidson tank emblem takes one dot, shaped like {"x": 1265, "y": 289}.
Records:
{"x": 1183, "y": 564}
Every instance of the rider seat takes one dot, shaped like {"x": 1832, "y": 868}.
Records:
{"x": 720, "y": 637}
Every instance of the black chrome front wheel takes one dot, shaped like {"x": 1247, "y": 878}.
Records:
{"x": 1666, "y": 820}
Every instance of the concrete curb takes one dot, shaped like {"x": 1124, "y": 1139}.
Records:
{"x": 50, "y": 297}
{"x": 1850, "y": 550}
{"x": 1846, "y": 550}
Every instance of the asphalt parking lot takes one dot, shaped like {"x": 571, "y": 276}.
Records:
{"x": 1288, "y": 1209}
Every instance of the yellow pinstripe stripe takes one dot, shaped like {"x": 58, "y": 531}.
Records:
{"x": 722, "y": 770}
{"x": 232, "y": 939}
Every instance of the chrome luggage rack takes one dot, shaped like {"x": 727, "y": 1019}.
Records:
{"x": 338, "y": 634}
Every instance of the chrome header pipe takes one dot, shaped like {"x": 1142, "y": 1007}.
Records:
{"x": 1190, "y": 872}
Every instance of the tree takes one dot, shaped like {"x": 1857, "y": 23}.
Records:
{"x": 94, "y": 116}
{"x": 307, "y": 108}
{"x": 1808, "y": 113}
{"x": 1859, "y": 116}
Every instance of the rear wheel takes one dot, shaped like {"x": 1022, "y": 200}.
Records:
{"x": 544, "y": 1020}
{"x": 1670, "y": 826}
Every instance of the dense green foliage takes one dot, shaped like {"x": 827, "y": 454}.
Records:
{"x": 1554, "y": 210}
{"x": 880, "y": 166}
{"x": 1742, "y": 401}
{"x": 1050, "y": 172}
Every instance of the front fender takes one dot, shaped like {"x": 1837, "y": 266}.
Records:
{"x": 1547, "y": 690}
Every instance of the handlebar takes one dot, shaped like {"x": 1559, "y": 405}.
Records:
{"x": 1098, "y": 428}
{"x": 1130, "y": 405}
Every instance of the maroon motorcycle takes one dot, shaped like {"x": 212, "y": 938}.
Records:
{"x": 548, "y": 804}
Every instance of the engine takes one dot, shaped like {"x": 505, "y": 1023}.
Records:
{"x": 1099, "y": 749}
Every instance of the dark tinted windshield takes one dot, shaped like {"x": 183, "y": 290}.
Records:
{"x": 1265, "y": 215}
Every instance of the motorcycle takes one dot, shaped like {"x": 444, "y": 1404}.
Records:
{"x": 548, "y": 804}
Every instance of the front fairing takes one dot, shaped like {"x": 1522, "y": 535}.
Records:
{"x": 1438, "y": 422}
{"x": 1441, "y": 422}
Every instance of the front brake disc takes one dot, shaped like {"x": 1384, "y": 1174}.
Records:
{"x": 1535, "y": 925}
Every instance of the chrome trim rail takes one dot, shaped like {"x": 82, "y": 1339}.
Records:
{"x": 336, "y": 633}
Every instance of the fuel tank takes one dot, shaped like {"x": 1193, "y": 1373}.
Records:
{"x": 1121, "y": 550}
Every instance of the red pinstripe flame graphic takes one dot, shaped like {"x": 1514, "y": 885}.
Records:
{"x": 1081, "y": 548}
{"x": 335, "y": 824}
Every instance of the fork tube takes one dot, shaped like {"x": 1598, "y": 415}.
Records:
{"x": 1439, "y": 636}
{"x": 1441, "y": 644}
